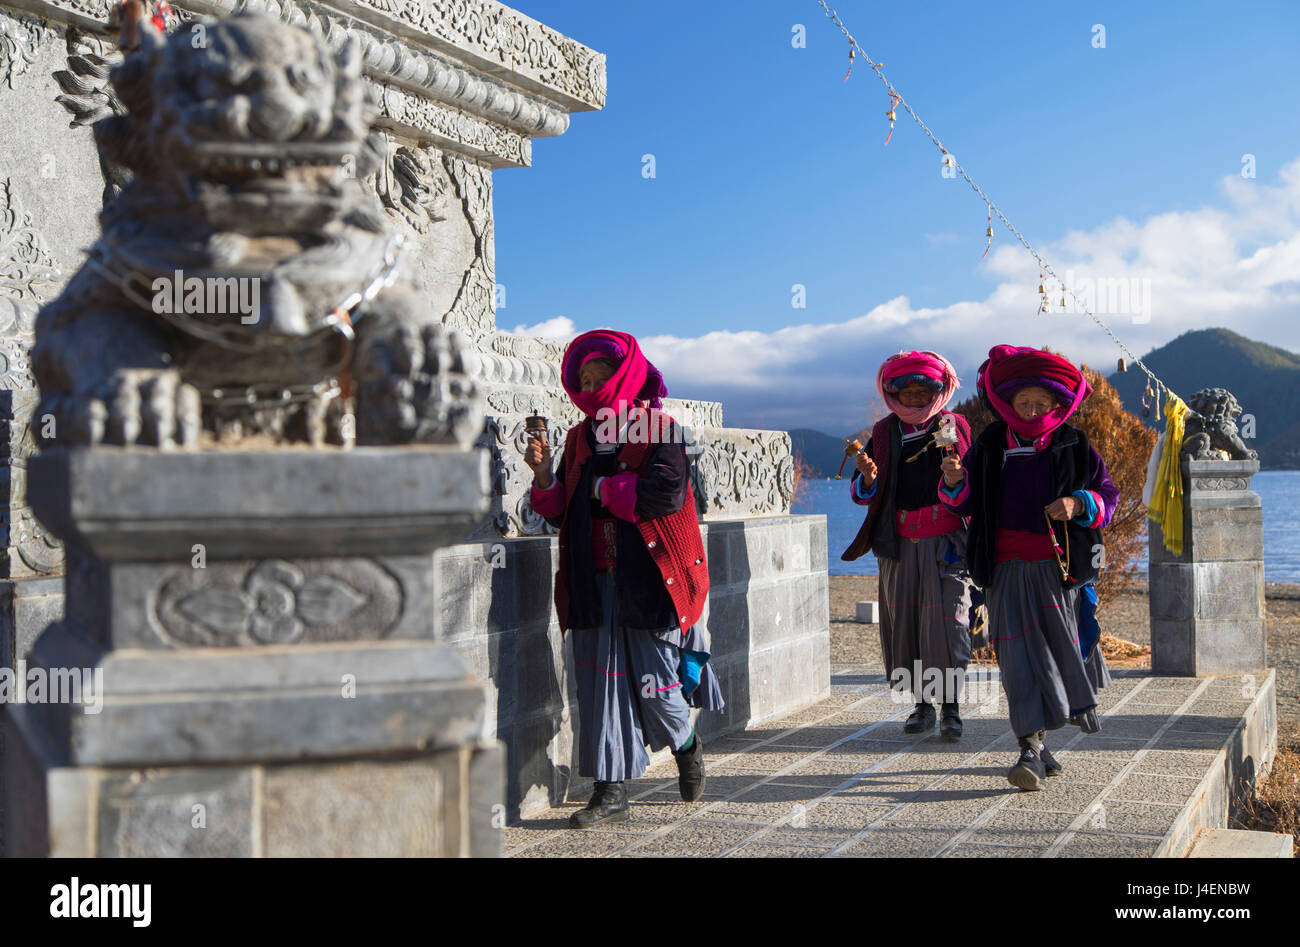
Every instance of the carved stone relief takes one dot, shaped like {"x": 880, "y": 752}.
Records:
{"x": 19, "y": 37}
{"x": 473, "y": 311}
{"x": 27, "y": 276}
{"x": 413, "y": 186}
{"x": 506, "y": 38}
{"x": 231, "y": 604}
{"x": 1222, "y": 483}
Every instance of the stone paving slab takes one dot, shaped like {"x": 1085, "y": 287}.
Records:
{"x": 841, "y": 779}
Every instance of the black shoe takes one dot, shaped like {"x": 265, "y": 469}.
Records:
{"x": 608, "y": 804}
{"x": 1050, "y": 765}
{"x": 1028, "y": 773}
{"x": 950, "y": 724}
{"x": 690, "y": 770}
{"x": 921, "y": 719}
{"x": 1087, "y": 721}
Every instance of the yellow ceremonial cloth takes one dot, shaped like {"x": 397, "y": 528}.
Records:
{"x": 1167, "y": 496}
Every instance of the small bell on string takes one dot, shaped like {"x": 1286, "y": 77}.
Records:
{"x": 949, "y": 161}
{"x": 1123, "y": 365}
{"x": 894, "y": 99}
{"x": 1062, "y": 304}
{"x": 988, "y": 232}
{"x": 1047, "y": 305}
{"x": 1042, "y": 289}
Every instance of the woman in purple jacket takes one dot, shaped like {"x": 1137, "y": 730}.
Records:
{"x": 1037, "y": 494}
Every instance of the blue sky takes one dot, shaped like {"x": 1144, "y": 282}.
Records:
{"x": 1120, "y": 162}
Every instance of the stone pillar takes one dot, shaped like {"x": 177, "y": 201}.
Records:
{"x": 463, "y": 87}
{"x": 1207, "y": 605}
{"x": 272, "y": 680}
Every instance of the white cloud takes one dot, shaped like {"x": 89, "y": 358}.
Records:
{"x": 1237, "y": 266}
{"x": 558, "y": 327}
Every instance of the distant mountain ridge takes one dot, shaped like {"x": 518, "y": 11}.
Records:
{"x": 1264, "y": 378}
{"x": 821, "y": 452}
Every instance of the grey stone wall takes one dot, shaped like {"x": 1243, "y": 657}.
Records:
{"x": 767, "y": 619}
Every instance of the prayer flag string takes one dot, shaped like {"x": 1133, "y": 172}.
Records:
{"x": 896, "y": 101}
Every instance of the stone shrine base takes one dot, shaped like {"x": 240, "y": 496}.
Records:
{"x": 842, "y": 779}
{"x": 432, "y": 806}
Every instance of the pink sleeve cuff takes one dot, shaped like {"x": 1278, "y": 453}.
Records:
{"x": 859, "y": 498}
{"x": 1099, "y": 520}
{"x": 618, "y": 495}
{"x": 959, "y": 497}
{"x": 549, "y": 502}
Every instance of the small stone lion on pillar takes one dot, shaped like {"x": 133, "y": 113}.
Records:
{"x": 245, "y": 285}
{"x": 1210, "y": 432}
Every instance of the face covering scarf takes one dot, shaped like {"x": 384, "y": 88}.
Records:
{"x": 634, "y": 379}
{"x": 1007, "y": 363}
{"x": 931, "y": 365}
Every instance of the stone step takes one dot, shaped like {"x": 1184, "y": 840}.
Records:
{"x": 1240, "y": 843}
{"x": 841, "y": 779}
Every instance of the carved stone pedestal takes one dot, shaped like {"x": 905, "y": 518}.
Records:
{"x": 258, "y": 633}
{"x": 1207, "y": 605}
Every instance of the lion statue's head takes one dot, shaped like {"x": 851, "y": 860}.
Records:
{"x": 242, "y": 114}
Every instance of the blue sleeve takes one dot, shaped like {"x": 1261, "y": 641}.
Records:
{"x": 1089, "y": 506}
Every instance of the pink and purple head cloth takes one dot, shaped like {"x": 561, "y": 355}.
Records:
{"x": 928, "y": 369}
{"x": 1009, "y": 368}
{"x": 635, "y": 379}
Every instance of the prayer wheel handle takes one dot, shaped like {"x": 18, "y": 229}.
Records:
{"x": 852, "y": 447}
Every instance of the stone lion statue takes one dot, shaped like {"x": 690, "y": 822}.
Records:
{"x": 245, "y": 286}
{"x": 1210, "y": 431}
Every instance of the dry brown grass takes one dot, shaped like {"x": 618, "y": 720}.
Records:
{"x": 1275, "y": 804}
{"x": 1120, "y": 652}
{"x": 1117, "y": 651}
{"x": 803, "y": 472}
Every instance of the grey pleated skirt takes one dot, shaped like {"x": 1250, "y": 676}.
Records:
{"x": 925, "y": 612}
{"x": 1033, "y": 622}
{"x": 630, "y": 691}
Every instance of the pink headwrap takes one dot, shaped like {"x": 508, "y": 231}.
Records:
{"x": 929, "y": 364}
{"x": 1051, "y": 372}
{"x": 634, "y": 379}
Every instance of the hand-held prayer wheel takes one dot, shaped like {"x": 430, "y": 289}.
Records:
{"x": 946, "y": 436}
{"x": 535, "y": 426}
{"x": 852, "y": 447}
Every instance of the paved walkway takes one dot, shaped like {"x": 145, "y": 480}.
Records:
{"x": 841, "y": 779}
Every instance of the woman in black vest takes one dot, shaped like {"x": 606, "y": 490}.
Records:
{"x": 919, "y": 543}
{"x": 1037, "y": 494}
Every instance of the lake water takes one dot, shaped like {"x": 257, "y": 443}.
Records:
{"x": 1279, "y": 491}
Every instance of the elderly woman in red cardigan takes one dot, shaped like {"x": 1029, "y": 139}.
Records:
{"x": 632, "y": 579}
{"x": 919, "y": 544}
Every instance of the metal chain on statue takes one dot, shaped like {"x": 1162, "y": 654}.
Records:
{"x": 341, "y": 319}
